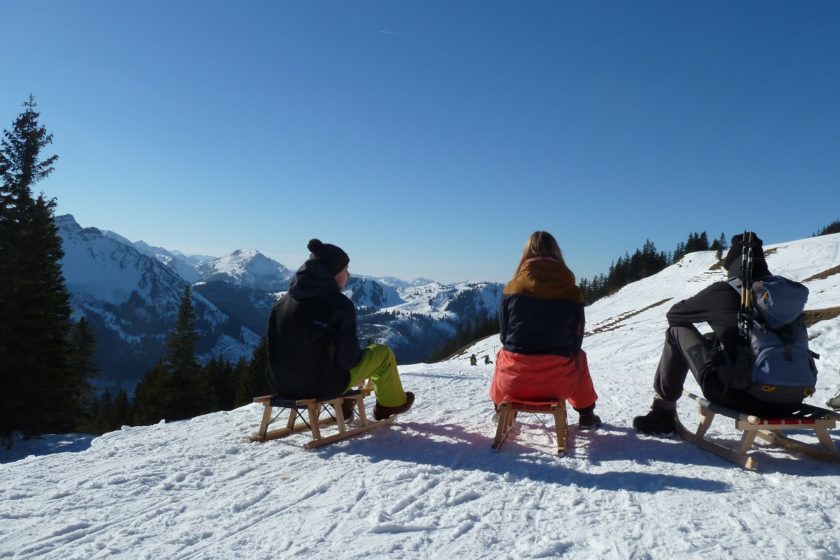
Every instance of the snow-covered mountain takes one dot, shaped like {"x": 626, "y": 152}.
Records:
{"x": 130, "y": 292}
{"x": 368, "y": 293}
{"x": 399, "y": 283}
{"x": 418, "y": 319}
{"x": 247, "y": 268}
{"x": 431, "y": 486}
{"x": 131, "y": 300}
{"x": 185, "y": 266}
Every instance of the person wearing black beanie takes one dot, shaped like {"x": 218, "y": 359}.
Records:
{"x": 713, "y": 360}
{"x": 313, "y": 346}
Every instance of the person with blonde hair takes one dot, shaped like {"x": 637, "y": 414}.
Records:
{"x": 542, "y": 321}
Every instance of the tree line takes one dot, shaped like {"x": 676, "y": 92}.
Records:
{"x": 645, "y": 262}
{"x": 833, "y": 227}
{"x": 179, "y": 387}
{"x": 48, "y": 358}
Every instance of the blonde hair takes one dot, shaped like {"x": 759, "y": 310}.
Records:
{"x": 540, "y": 244}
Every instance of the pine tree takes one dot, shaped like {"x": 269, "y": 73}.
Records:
{"x": 34, "y": 302}
{"x": 121, "y": 414}
{"x": 219, "y": 378}
{"x": 175, "y": 388}
{"x": 189, "y": 394}
{"x": 152, "y": 396}
{"x": 250, "y": 376}
{"x": 82, "y": 367}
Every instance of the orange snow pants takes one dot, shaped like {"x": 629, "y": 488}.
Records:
{"x": 542, "y": 378}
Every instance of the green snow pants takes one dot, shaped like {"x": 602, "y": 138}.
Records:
{"x": 380, "y": 366}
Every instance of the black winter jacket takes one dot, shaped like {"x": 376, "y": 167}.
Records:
{"x": 717, "y": 305}
{"x": 312, "y": 340}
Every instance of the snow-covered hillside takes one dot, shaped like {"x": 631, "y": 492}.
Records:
{"x": 431, "y": 487}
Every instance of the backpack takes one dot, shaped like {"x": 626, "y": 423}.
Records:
{"x": 782, "y": 367}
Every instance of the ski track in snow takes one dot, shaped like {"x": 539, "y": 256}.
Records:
{"x": 431, "y": 487}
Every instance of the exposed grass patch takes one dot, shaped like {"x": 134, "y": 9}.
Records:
{"x": 824, "y": 274}
{"x": 813, "y": 316}
{"x": 717, "y": 266}
{"x": 616, "y": 323}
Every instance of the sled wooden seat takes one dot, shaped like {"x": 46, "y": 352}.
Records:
{"x": 508, "y": 410}
{"x": 312, "y": 420}
{"x": 807, "y": 417}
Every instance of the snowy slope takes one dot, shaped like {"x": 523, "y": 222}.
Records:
{"x": 431, "y": 487}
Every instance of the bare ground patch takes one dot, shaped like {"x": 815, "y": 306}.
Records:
{"x": 717, "y": 266}
{"x": 616, "y": 323}
{"x": 813, "y": 316}
{"x": 824, "y": 274}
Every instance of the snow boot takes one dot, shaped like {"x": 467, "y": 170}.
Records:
{"x": 382, "y": 412}
{"x": 588, "y": 419}
{"x": 659, "y": 421}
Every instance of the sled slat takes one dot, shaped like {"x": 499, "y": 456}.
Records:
{"x": 808, "y": 417}
{"x": 308, "y": 411}
{"x": 507, "y": 412}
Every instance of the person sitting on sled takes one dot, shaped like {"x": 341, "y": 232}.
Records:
{"x": 713, "y": 359}
{"x": 313, "y": 349}
{"x": 542, "y": 320}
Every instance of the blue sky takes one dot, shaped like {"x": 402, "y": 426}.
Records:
{"x": 431, "y": 138}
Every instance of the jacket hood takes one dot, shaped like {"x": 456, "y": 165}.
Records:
{"x": 545, "y": 278}
{"x": 312, "y": 279}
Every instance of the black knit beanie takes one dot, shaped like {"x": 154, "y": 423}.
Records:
{"x": 331, "y": 256}
{"x": 732, "y": 262}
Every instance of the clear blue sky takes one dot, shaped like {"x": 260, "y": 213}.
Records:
{"x": 431, "y": 138}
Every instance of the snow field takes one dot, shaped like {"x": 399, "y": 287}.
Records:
{"x": 431, "y": 486}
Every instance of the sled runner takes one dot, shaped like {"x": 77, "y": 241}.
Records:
{"x": 769, "y": 429}
{"x": 309, "y": 411}
{"x": 509, "y": 409}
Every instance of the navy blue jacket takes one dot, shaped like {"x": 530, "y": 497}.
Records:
{"x": 542, "y": 310}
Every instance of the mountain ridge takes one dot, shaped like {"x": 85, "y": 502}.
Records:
{"x": 130, "y": 292}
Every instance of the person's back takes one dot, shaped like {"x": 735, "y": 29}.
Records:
{"x": 542, "y": 310}
{"x": 716, "y": 361}
{"x": 541, "y": 322}
{"x": 313, "y": 347}
{"x": 303, "y": 337}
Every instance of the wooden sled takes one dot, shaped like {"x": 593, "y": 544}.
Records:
{"x": 769, "y": 429}
{"x": 312, "y": 420}
{"x": 509, "y": 409}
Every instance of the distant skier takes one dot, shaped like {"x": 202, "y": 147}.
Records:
{"x": 313, "y": 349}
{"x": 487, "y": 360}
{"x": 473, "y": 360}
{"x": 715, "y": 360}
{"x": 542, "y": 322}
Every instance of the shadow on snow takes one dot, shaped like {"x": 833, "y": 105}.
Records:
{"x": 451, "y": 446}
